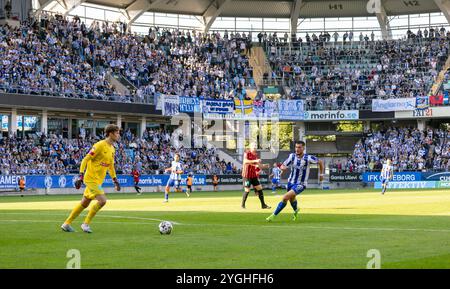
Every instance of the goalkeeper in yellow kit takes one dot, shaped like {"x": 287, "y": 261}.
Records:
{"x": 94, "y": 166}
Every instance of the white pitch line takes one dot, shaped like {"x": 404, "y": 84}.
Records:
{"x": 265, "y": 226}
{"x": 97, "y": 216}
{"x": 138, "y": 218}
{"x": 53, "y": 221}
{"x": 325, "y": 227}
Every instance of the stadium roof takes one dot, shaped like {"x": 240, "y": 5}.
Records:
{"x": 209, "y": 10}
{"x": 280, "y": 8}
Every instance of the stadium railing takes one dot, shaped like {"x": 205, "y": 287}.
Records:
{"x": 150, "y": 98}
{"x": 146, "y": 98}
{"x": 5, "y": 15}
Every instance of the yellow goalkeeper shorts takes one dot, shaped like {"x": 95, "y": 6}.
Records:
{"x": 92, "y": 190}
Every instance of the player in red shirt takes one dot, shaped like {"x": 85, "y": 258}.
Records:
{"x": 135, "y": 173}
{"x": 250, "y": 174}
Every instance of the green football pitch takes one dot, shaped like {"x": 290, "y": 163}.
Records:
{"x": 336, "y": 229}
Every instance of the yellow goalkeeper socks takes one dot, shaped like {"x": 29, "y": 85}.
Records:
{"x": 75, "y": 212}
{"x": 94, "y": 209}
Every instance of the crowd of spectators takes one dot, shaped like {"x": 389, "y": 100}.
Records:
{"x": 348, "y": 37}
{"x": 61, "y": 56}
{"x": 330, "y": 76}
{"x": 53, "y": 55}
{"x": 170, "y": 61}
{"x": 52, "y": 154}
{"x": 409, "y": 150}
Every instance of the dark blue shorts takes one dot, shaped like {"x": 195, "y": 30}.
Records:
{"x": 173, "y": 183}
{"x": 297, "y": 188}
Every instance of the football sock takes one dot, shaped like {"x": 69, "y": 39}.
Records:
{"x": 294, "y": 205}
{"x": 75, "y": 212}
{"x": 261, "y": 197}
{"x": 166, "y": 196}
{"x": 244, "y": 198}
{"x": 279, "y": 208}
{"x": 92, "y": 212}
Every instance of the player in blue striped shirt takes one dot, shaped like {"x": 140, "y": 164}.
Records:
{"x": 175, "y": 176}
{"x": 299, "y": 162}
{"x": 387, "y": 173}
{"x": 276, "y": 176}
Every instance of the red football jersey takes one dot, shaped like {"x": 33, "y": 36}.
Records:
{"x": 135, "y": 175}
{"x": 250, "y": 171}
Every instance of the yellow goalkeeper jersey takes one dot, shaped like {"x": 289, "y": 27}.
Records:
{"x": 98, "y": 161}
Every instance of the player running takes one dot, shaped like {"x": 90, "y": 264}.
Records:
{"x": 250, "y": 171}
{"x": 175, "y": 177}
{"x": 94, "y": 166}
{"x": 215, "y": 182}
{"x": 387, "y": 173}
{"x": 22, "y": 184}
{"x": 276, "y": 176}
{"x": 135, "y": 173}
{"x": 189, "y": 182}
{"x": 299, "y": 162}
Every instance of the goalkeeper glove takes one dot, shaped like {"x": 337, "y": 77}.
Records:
{"x": 79, "y": 182}
{"x": 116, "y": 184}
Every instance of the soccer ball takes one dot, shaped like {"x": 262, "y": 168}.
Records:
{"x": 165, "y": 228}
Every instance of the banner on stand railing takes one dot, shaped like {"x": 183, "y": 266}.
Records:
{"x": 217, "y": 109}
{"x": 394, "y": 104}
{"x": 289, "y": 109}
{"x": 171, "y": 105}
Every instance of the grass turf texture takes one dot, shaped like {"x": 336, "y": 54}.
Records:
{"x": 410, "y": 228}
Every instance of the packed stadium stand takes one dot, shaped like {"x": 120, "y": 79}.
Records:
{"x": 409, "y": 149}
{"x": 54, "y": 155}
{"x": 64, "y": 57}
{"x": 331, "y": 75}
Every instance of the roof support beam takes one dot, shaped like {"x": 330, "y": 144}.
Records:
{"x": 377, "y": 8}
{"x": 444, "y": 5}
{"x": 51, "y": 5}
{"x": 137, "y": 8}
{"x": 295, "y": 12}
{"x": 70, "y": 6}
{"x": 43, "y": 6}
{"x": 213, "y": 11}
{"x": 383, "y": 20}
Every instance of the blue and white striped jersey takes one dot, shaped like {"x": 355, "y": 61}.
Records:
{"x": 299, "y": 168}
{"x": 387, "y": 171}
{"x": 276, "y": 172}
{"x": 176, "y": 166}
